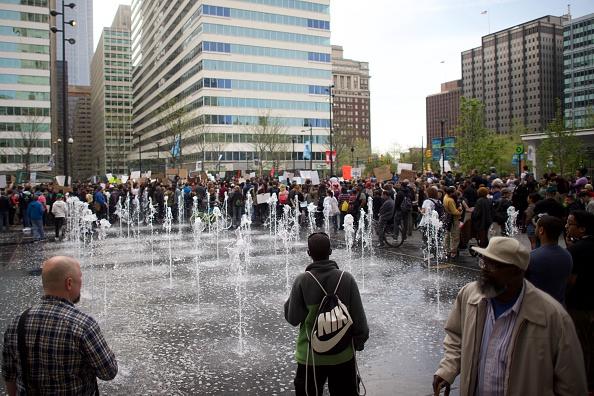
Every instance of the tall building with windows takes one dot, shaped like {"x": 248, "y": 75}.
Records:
{"x": 578, "y": 61}
{"x": 443, "y": 106}
{"x": 79, "y": 117}
{"x": 25, "y": 142}
{"x": 352, "y": 100}
{"x": 213, "y": 80}
{"x": 518, "y": 74}
{"x": 111, "y": 96}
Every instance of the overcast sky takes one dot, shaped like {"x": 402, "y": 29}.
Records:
{"x": 404, "y": 43}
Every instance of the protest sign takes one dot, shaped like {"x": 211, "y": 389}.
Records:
{"x": 346, "y": 172}
{"x": 2, "y": 181}
{"x": 262, "y": 198}
{"x": 382, "y": 173}
{"x": 135, "y": 175}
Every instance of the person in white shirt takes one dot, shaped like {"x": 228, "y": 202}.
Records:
{"x": 59, "y": 210}
{"x": 331, "y": 207}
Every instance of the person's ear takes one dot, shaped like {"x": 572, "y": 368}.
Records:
{"x": 68, "y": 283}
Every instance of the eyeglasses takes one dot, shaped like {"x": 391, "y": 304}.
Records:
{"x": 491, "y": 265}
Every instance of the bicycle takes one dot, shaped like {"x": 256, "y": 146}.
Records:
{"x": 389, "y": 238}
{"x": 210, "y": 218}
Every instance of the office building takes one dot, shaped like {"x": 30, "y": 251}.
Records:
{"x": 24, "y": 86}
{"x": 111, "y": 97}
{"x": 351, "y": 96}
{"x": 518, "y": 74}
{"x": 79, "y": 117}
{"x": 211, "y": 82}
{"x": 578, "y": 62}
{"x": 443, "y": 106}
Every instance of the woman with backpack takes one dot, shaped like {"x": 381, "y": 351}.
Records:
{"x": 482, "y": 217}
{"x": 343, "y": 205}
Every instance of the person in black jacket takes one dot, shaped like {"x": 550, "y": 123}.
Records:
{"x": 385, "y": 215}
{"x": 301, "y": 309}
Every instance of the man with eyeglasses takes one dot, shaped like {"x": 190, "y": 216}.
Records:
{"x": 301, "y": 308}
{"x": 580, "y": 293}
{"x": 504, "y": 336}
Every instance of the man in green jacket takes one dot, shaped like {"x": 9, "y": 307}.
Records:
{"x": 505, "y": 337}
{"x": 301, "y": 309}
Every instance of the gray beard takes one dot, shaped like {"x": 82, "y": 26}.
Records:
{"x": 488, "y": 289}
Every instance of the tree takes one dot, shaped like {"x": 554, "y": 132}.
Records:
{"x": 589, "y": 118}
{"x": 476, "y": 146}
{"x": 198, "y": 136}
{"x": 31, "y": 139}
{"x": 173, "y": 119}
{"x": 268, "y": 140}
{"x": 561, "y": 151}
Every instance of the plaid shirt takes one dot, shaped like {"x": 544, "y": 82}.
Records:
{"x": 65, "y": 347}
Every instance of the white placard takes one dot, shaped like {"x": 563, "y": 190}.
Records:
{"x": 404, "y": 166}
{"x": 109, "y": 176}
{"x": 148, "y": 174}
{"x": 2, "y": 181}
{"x": 262, "y": 198}
{"x": 222, "y": 175}
{"x": 253, "y": 174}
{"x": 315, "y": 178}
{"x": 33, "y": 178}
{"x": 135, "y": 175}
{"x": 60, "y": 180}
{"x": 102, "y": 186}
{"x": 356, "y": 172}
{"x": 297, "y": 180}
{"x": 282, "y": 179}
{"x": 124, "y": 178}
{"x": 305, "y": 174}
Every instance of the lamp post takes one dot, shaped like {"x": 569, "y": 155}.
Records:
{"x": 139, "y": 155}
{"x": 310, "y": 147}
{"x": 70, "y": 143}
{"x": 352, "y": 156}
{"x": 64, "y": 79}
{"x": 331, "y": 99}
{"x": 293, "y": 153}
{"x": 442, "y": 122}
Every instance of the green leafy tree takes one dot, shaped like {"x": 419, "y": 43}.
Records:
{"x": 561, "y": 151}
{"x": 476, "y": 146}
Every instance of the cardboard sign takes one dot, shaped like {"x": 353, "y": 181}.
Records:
{"x": 183, "y": 173}
{"x": 262, "y": 198}
{"x": 408, "y": 174}
{"x": 2, "y": 181}
{"x": 171, "y": 171}
{"x": 346, "y": 172}
{"x": 382, "y": 173}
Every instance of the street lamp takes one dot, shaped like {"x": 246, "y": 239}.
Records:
{"x": 352, "y": 156}
{"x": 310, "y": 147}
{"x": 442, "y": 122}
{"x": 71, "y": 41}
{"x": 293, "y": 153}
{"x": 70, "y": 143}
{"x": 139, "y": 155}
{"x": 331, "y": 99}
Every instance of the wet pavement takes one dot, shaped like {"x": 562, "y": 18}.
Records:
{"x": 178, "y": 332}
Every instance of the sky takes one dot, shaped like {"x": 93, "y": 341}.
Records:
{"x": 405, "y": 43}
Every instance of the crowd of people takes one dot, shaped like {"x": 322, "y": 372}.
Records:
{"x": 555, "y": 213}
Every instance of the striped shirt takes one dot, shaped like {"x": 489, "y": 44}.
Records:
{"x": 65, "y": 349}
{"x": 494, "y": 347}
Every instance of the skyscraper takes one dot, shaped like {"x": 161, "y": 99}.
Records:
{"x": 213, "y": 83}
{"x": 578, "y": 60}
{"x": 78, "y": 55}
{"x": 443, "y": 106}
{"x": 111, "y": 96}
{"x": 517, "y": 73}
{"x": 24, "y": 86}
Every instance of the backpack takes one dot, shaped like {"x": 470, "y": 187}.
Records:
{"x": 283, "y": 198}
{"x": 331, "y": 330}
{"x": 438, "y": 207}
{"x": 406, "y": 204}
{"x": 344, "y": 206}
{"x": 239, "y": 203}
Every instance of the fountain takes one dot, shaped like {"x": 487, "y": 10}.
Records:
{"x": 239, "y": 253}
{"x": 167, "y": 227}
{"x": 511, "y": 227}
{"x": 311, "y": 217}
{"x": 349, "y": 237}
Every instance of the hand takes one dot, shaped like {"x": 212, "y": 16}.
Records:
{"x": 439, "y": 384}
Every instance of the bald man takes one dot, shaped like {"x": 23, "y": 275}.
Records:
{"x": 63, "y": 348}
{"x": 338, "y": 368}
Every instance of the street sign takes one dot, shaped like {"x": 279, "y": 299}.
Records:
{"x": 519, "y": 149}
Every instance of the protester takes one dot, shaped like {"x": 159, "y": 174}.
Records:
{"x": 4, "y": 211}
{"x": 35, "y": 213}
{"x": 492, "y": 330}
{"x": 314, "y": 369}
{"x": 64, "y": 348}
{"x": 452, "y": 226}
{"x": 386, "y": 214}
{"x": 482, "y": 217}
{"x": 331, "y": 207}
{"x": 59, "y": 211}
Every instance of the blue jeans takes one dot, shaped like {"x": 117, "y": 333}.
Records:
{"x": 37, "y": 229}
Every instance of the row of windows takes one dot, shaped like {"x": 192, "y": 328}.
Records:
{"x": 16, "y": 79}
{"x": 24, "y": 95}
{"x": 264, "y": 51}
{"x": 24, "y": 63}
{"x": 116, "y": 63}
{"x": 34, "y": 3}
{"x": 262, "y": 103}
{"x": 118, "y": 48}
{"x": 249, "y": 138}
{"x": 295, "y": 4}
{"x": 252, "y": 120}
{"x": 23, "y": 127}
{"x": 117, "y": 78}
{"x": 262, "y": 34}
{"x": 24, "y": 111}
{"x": 108, "y": 40}
{"x": 117, "y": 56}
{"x": 20, "y": 159}
{"x": 265, "y": 17}
{"x": 24, "y": 16}
{"x": 224, "y": 83}
{"x": 18, "y": 143}
{"x": 23, "y": 32}
{"x": 250, "y": 156}
{"x": 27, "y": 48}
{"x": 242, "y": 67}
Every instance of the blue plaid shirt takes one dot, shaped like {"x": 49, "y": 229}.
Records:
{"x": 66, "y": 350}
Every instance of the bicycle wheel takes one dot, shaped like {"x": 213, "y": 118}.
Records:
{"x": 391, "y": 240}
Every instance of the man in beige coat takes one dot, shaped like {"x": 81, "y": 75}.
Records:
{"x": 505, "y": 337}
